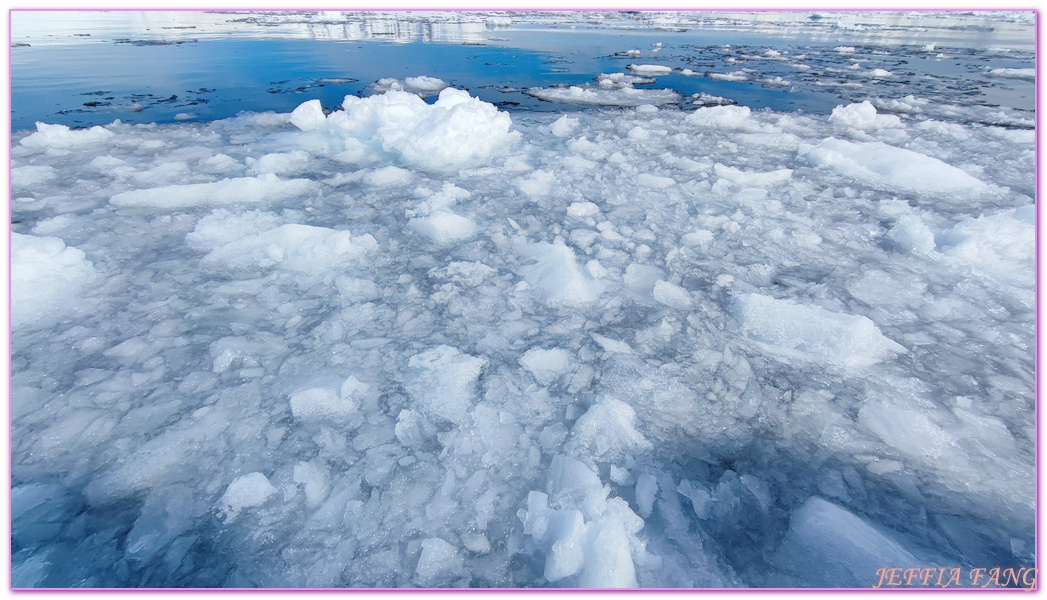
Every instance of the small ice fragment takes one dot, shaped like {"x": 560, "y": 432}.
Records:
{"x": 650, "y": 69}
{"x": 240, "y": 190}
{"x": 877, "y": 163}
{"x": 438, "y": 560}
{"x": 554, "y": 269}
{"x": 564, "y": 126}
{"x": 308, "y": 116}
{"x": 444, "y": 227}
{"x": 862, "y": 116}
{"x": 611, "y": 346}
{"x": 608, "y": 430}
{"x": 581, "y": 210}
{"x": 321, "y": 404}
{"x": 443, "y": 382}
{"x": 671, "y": 295}
{"x": 646, "y": 488}
{"x": 423, "y": 83}
{"x": 388, "y": 177}
{"x": 246, "y": 491}
{"x": 546, "y": 365}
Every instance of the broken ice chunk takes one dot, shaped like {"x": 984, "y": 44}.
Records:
{"x": 813, "y": 333}
{"x": 837, "y": 548}
{"x": 321, "y": 403}
{"x": 301, "y": 248}
{"x": 646, "y": 489}
{"x": 456, "y": 131}
{"x": 60, "y": 136}
{"x": 650, "y": 69}
{"x": 314, "y": 480}
{"x": 563, "y": 126}
{"x": 246, "y": 491}
{"x": 554, "y": 270}
{"x": 877, "y": 163}
{"x": 46, "y": 277}
{"x": 438, "y": 561}
{"x": 608, "y": 430}
{"x": 671, "y": 295}
{"x": 444, "y": 227}
{"x": 240, "y": 190}
{"x": 308, "y": 116}
{"x": 443, "y": 382}
{"x": 546, "y": 365}
{"x": 863, "y": 116}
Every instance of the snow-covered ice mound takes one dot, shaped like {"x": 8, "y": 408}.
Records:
{"x": 46, "y": 276}
{"x": 457, "y": 130}
{"x": 406, "y": 344}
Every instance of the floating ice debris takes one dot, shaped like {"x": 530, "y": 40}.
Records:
{"x": 60, "y": 136}
{"x": 650, "y": 70}
{"x": 618, "y": 96}
{"x": 443, "y": 382}
{"x": 554, "y": 270}
{"x": 1029, "y": 73}
{"x": 733, "y": 76}
{"x": 454, "y": 132}
{"x": 879, "y": 164}
{"x": 863, "y": 116}
{"x": 46, "y": 276}
{"x": 621, "y": 80}
{"x": 246, "y": 491}
{"x": 813, "y": 333}
{"x": 226, "y": 192}
{"x": 422, "y": 85}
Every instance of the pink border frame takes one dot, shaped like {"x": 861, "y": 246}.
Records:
{"x": 903, "y": 590}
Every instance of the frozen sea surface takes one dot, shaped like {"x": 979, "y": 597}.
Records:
{"x": 439, "y": 343}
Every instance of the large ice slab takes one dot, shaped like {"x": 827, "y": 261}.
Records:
{"x": 837, "y": 548}
{"x": 813, "y": 333}
{"x": 625, "y": 95}
{"x": 302, "y": 248}
{"x": 239, "y": 190}
{"x": 879, "y": 164}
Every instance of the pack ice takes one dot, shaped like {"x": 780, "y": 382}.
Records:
{"x": 411, "y": 344}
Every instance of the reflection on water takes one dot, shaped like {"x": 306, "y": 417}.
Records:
{"x": 966, "y": 29}
{"x": 91, "y": 67}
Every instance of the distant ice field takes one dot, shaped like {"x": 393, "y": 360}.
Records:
{"x": 415, "y": 339}
{"x": 89, "y": 68}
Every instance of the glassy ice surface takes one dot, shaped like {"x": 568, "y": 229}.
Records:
{"x": 749, "y": 308}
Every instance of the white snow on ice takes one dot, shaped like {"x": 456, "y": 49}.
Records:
{"x": 409, "y": 344}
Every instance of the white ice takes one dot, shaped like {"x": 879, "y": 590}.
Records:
{"x": 396, "y": 344}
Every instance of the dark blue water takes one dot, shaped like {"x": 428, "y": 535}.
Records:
{"x": 95, "y": 83}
